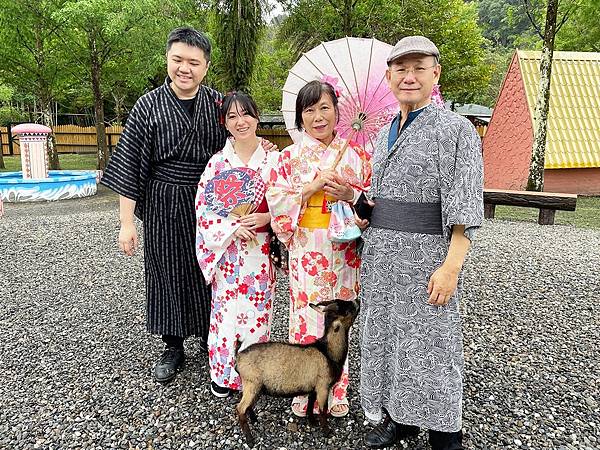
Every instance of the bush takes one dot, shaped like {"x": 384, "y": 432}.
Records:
{"x": 8, "y": 114}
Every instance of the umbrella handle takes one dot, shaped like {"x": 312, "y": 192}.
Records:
{"x": 343, "y": 150}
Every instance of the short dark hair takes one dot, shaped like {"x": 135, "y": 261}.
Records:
{"x": 310, "y": 94}
{"x": 245, "y": 102}
{"x": 191, "y": 37}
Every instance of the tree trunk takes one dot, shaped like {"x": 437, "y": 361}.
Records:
{"x": 96, "y": 74}
{"x": 2, "y": 165}
{"x": 119, "y": 99}
{"x": 46, "y": 102}
{"x": 535, "y": 181}
{"x": 347, "y": 18}
{"x": 46, "y": 114}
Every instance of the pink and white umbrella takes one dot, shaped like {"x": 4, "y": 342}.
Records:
{"x": 355, "y": 67}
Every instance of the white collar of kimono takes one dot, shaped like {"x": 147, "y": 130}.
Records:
{"x": 309, "y": 141}
{"x": 256, "y": 161}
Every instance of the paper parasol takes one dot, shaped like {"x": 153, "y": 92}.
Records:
{"x": 356, "y": 69}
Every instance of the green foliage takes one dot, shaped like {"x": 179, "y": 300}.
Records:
{"x": 505, "y": 22}
{"x": 464, "y": 71}
{"x": 31, "y": 50}
{"x": 274, "y": 60}
{"x": 237, "y": 29}
{"x": 581, "y": 32}
{"x": 498, "y": 60}
{"x": 10, "y": 114}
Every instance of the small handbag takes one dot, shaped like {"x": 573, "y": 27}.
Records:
{"x": 277, "y": 252}
{"x": 342, "y": 227}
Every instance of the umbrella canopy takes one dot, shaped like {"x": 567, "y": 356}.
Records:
{"x": 356, "y": 69}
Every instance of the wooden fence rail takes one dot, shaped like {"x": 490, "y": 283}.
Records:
{"x": 76, "y": 139}
{"x": 69, "y": 139}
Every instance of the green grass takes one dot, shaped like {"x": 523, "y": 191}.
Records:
{"x": 587, "y": 214}
{"x": 68, "y": 161}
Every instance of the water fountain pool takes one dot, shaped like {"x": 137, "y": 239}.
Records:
{"x": 35, "y": 182}
{"x": 60, "y": 185}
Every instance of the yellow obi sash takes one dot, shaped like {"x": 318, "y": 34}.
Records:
{"x": 313, "y": 216}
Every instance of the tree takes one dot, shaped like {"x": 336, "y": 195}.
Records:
{"x": 535, "y": 180}
{"x": 464, "y": 72}
{"x": 582, "y": 31}
{"x": 505, "y": 23}
{"x": 274, "y": 60}
{"x": 32, "y": 55}
{"x": 116, "y": 45}
{"x": 237, "y": 29}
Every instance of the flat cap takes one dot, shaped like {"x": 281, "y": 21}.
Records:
{"x": 413, "y": 44}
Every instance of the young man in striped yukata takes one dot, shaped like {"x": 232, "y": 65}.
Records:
{"x": 169, "y": 136}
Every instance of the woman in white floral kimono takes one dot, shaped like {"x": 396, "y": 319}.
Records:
{"x": 233, "y": 253}
{"x": 300, "y": 200}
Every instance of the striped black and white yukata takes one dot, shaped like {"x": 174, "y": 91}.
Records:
{"x": 158, "y": 162}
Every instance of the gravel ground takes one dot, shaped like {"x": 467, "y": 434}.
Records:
{"x": 76, "y": 362}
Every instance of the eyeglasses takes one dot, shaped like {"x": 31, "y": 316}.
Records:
{"x": 418, "y": 70}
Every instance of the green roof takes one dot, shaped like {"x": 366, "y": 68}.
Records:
{"x": 573, "y": 138}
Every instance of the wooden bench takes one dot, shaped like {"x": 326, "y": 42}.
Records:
{"x": 547, "y": 202}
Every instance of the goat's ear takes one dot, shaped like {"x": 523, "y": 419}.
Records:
{"x": 325, "y": 306}
{"x": 317, "y": 307}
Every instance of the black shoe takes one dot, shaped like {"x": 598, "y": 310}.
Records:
{"x": 219, "y": 391}
{"x": 445, "y": 441}
{"x": 389, "y": 433}
{"x": 166, "y": 367}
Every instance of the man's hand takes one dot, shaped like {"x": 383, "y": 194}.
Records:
{"x": 128, "y": 238}
{"x": 442, "y": 285}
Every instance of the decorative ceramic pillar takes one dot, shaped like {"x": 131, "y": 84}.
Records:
{"x": 32, "y": 142}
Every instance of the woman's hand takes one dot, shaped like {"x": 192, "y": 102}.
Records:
{"x": 255, "y": 220}
{"x": 268, "y": 145}
{"x": 244, "y": 234}
{"x": 128, "y": 238}
{"x": 336, "y": 187}
{"x": 312, "y": 188}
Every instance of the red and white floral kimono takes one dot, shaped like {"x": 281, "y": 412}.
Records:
{"x": 241, "y": 275}
{"x": 319, "y": 269}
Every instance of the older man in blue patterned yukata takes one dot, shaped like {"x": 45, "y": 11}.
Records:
{"x": 427, "y": 192}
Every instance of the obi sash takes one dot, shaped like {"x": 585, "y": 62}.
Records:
{"x": 412, "y": 217}
{"x": 317, "y": 212}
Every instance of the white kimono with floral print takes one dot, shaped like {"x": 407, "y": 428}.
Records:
{"x": 240, "y": 273}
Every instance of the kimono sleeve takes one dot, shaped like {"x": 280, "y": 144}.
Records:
{"x": 285, "y": 199}
{"x": 213, "y": 232}
{"x": 128, "y": 167}
{"x": 362, "y": 182}
{"x": 463, "y": 204}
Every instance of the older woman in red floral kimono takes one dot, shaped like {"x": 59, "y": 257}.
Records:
{"x": 300, "y": 199}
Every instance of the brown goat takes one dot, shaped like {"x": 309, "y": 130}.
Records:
{"x": 287, "y": 370}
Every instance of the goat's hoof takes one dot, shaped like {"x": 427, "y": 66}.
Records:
{"x": 312, "y": 419}
{"x": 250, "y": 441}
{"x": 326, "y": 431}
